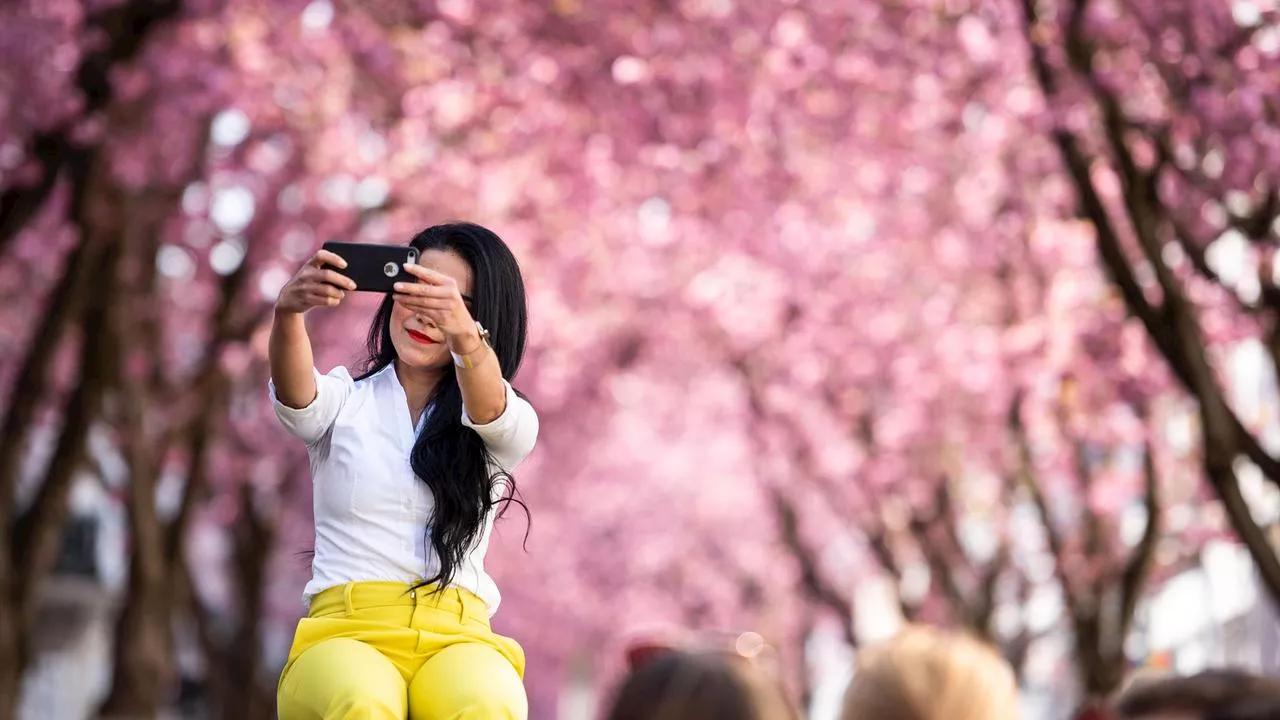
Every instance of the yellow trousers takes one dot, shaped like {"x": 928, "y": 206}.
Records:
{"x": 377, "y": 651}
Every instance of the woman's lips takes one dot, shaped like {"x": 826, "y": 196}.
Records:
{"x": 419, "y": 337}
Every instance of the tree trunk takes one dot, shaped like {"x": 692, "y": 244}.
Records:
{"x": 1101, "y": 671}
{"x": 143, "y": 658}
{"x": 254, "y": 537}
{"x": 233, "y": 670}
{"x": 142, "y": 672}
{"x": 11, "y": 664}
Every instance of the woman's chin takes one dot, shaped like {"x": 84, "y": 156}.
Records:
{"x": 420, "y": 357}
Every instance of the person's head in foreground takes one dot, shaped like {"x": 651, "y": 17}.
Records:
{"x": 1209, "y": 695}
{"x": 684, "y": 685}
{"x": 928, "y": 674}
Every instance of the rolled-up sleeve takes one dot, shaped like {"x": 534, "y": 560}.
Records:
{"x": 510, "y": 437}
{"x": 312, "y": 423}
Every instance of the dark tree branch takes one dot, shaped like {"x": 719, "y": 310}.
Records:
{"x": 1222, "y": 477}
{"x": 984, "y": 606}
{"x": 878, "y": 540}
{"x": 811, "y": 578}
{"x": 1138, "y": 567}
{"x": 1094, "y": 539}
{"x": 943, "y": 557}
{"x": 211, "y": 387}
{"x": 1028, "y": 479}
{"x": 1108, "y": 240}
{"x": 29, "y": 389}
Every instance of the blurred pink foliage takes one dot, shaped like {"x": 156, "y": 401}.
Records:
{"x": 823, "y": 249}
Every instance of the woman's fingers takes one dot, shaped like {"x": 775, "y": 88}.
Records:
{"x": 324, "y": 276}
{"x": 330, "y": 292}
{"x": 423, "y": 290}
{"x": 315, "y": 285}
{"x": 324, "y": 290}
{"x": 321, "y": 299}
{"x": 324, "y": 257}
{"x": 337, "y": 279}
{"x": 420, "y": 304}
{"x": 428, "y": 275}
{"x": 434, "y": 299}
{"x": 320, "y": 283}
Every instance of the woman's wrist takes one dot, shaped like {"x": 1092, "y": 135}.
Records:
{"x": 281, "y": 311}
{"x": 465, "y": 343}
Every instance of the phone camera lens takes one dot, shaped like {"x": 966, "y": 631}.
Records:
{"x": 390, "y": 269}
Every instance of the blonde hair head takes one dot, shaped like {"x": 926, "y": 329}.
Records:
{"x": 929, "y": 674}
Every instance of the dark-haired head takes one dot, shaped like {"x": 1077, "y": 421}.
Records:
{"x": 680, "y": 685}
{"x": 1222, "y": 694}
{"x": 448, "y": 456}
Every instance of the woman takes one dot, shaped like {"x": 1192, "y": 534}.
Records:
{"x": 409, "y": 462}
{"x": 928, "y": 674}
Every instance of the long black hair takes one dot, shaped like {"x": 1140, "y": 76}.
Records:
{"x": 448, "y": 456}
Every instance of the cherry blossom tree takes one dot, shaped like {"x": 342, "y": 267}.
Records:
{"x": 56, "y": 191}
{"x": 1164, "y": 119}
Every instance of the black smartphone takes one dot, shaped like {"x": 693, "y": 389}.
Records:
{"x": 375, "y": 268}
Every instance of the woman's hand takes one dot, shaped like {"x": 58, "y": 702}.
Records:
{"x": 315, "y": 285}
{"x": 436, "y": 297}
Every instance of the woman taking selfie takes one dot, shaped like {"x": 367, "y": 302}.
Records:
{"x": 410, "y": 462}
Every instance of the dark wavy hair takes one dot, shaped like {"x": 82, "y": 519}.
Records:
{"x": 448, "y": 456}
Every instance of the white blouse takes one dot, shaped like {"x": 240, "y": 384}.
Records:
{"x": 371, "y": 510}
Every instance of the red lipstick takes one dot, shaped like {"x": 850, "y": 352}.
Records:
{"x": 419, "y": 337}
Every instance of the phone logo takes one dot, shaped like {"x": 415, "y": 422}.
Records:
{"x": 390, "y": 269}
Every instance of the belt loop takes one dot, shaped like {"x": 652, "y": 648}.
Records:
{"x": 346, "y": 597}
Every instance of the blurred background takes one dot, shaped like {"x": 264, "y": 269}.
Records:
{"x": 844, "y": 314}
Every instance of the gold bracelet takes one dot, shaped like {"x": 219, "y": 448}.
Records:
{"x": 465, "y": 361}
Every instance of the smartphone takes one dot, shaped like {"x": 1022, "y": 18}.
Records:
{"x": 375, "y": 268}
